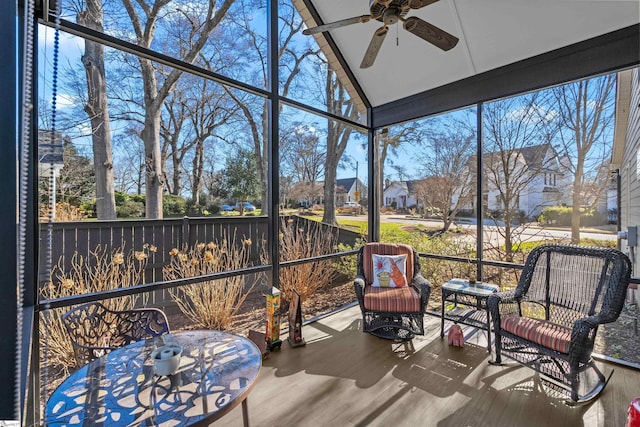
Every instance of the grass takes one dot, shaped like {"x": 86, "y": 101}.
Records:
{"x": 389, "y": 232}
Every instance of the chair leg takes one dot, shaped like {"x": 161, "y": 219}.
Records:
{"x": 602, "y": 382}
{"x": 497, "y": 360}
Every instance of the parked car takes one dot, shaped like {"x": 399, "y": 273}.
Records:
{"x": 248, "y": 207}
{"x": 226, "y": 208}
{"x": 351, "y": 205}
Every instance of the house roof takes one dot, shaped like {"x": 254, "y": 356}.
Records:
{"x": 409, "y": 185}
{"x": 505, "y": 47}
{"x": 344, "y": 184}
{"x": 535, "y": 155}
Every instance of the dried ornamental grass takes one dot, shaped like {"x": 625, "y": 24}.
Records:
{"x": 305, "y": 241}
{"x": 210, "y": 304}
{"x": 100, "y": 271}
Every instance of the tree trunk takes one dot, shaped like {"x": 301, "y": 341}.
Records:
{"x": 329, "y": 215}
{"x": 154, "y": 176}
{"x": 198, "y": 167}
{"x": 508, "y": 241}
{"x": 576, "y": 201}
{"x": 98, "y": 111}
{"x": 154, "y": 96}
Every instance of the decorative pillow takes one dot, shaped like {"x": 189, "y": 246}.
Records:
{"x": 389, "y": 271}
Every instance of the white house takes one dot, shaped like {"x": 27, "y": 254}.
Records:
{"x": 349, "y": 190}
{"x": 541, "y": 175}
{"x": 401, "y": 194}
{"x": 538, "y": 177}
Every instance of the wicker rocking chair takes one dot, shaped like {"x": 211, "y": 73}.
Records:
{"x": 391, "y": 313}
{"x": 549, "y": 323}
{"x": 95, "y": 330}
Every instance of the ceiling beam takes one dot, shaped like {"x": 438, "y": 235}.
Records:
{"x": 603, "y": 54}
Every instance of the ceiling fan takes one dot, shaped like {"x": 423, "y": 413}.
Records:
{"x": 390, "y": 12}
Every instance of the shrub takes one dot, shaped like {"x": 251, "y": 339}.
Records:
{"x": 193, "y": 209}
{"x": 129, "y": 206}
{"x": 130, "y": 209}
{"x": 348, "y": 265}
{"x": 561, "y": 216}
{"x": 212, "y": 303}
{"x": 173, "y": 205}
{"x": 121, "y": 197}
{"x": 88, "y": 208}
{"x": 555, "y": 215}
{"x": 139, "y": 198}
{"x": 213, "y": 209}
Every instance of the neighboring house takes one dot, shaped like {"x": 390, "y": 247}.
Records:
{"x": 50, "y": 153}
{"x": 542, "y": 175}
{"x": 401, "y": 194}
{"x": 542, "y": 180}
{"x": 50, "y": 160}
{"x": 346, "y": 189}
{"x": 626, "y": 155}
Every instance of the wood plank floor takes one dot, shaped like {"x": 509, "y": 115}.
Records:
{"x": 343, "y": 377}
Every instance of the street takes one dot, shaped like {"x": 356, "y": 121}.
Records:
{"x": 527, "y": 233}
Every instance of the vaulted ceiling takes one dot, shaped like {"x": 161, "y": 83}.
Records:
{"x": 493, "y": 35}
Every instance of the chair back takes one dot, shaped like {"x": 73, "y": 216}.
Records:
{"x": 365, "y": 262}
{"x": 563, "y": 283}
{"x": 95, "y": 329}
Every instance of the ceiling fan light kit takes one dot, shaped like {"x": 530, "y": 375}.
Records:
{"x": 389, "y": 12}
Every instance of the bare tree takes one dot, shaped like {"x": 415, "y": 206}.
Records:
{"x": 98, "y": 111}
{"x": 129, "y": 169}
{"x": 518, "y": 151}
{"x": 197, "y": 30}
{"x": 301, "y": 153}
{"x": 339, "y": 103}
{"x": 585, "y": 113}
{"x": 390, "y": 141}
{"x": 449, "y": 186}
{"x": 291, "y": 56}
{"x": 193, "y": 113}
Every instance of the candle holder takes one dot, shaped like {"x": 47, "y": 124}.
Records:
{"x": 166, "y": 359}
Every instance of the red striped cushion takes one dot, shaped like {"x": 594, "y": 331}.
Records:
{"x": 392, "y": 300}
{"x": 544, "y": 333}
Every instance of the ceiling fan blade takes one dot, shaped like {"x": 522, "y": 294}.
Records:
{"x": 374, "y": 47}
{"x": 430, "y": 33}
{"x": 417, "y": 4}
{"x": 337, "y": 24}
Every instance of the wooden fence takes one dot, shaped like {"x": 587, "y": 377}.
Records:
{"x": 70, "y": 238}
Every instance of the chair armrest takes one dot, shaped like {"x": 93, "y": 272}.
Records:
{"x": 583, "y": 337}
{"x": 358, "y": 285}
{"x": 423, "y": 286}
{"x": 502, "y": 303}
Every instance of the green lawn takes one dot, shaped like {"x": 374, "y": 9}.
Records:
{"x": 389, "y": 232}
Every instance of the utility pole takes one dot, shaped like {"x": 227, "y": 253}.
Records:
{"x": 357, "y": 210}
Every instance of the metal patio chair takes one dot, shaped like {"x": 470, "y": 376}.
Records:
{"x": 95, "y": 330}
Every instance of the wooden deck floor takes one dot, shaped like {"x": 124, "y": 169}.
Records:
{"x": 343, "y": 377}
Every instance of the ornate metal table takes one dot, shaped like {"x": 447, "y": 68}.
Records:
{"x": 217, "y": 372}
